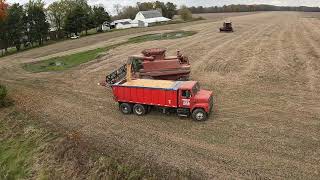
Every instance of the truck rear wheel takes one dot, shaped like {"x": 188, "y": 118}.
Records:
{"x": 125, "y": 108}
{"x": 139, "y": 109}
{"x": 199, "y": 115}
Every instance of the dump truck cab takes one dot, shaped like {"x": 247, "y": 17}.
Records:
{"x": 199, "y": 102}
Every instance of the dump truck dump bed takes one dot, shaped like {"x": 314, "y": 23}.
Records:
{"x": 146, "y": 91}
{"x": 151, "y": 83}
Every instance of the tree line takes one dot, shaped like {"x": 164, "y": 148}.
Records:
{"x": 20, "y": 24}
{"x": 31, "y": 24}
{"x": 250, "y": 8}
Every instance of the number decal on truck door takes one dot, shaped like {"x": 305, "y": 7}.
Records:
{"x": 186, "y": 102}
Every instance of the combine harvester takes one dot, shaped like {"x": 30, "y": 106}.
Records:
{"x": 227, "y": 27}
{"x": 153, "y": 64}
{"x": 139, "y": 96}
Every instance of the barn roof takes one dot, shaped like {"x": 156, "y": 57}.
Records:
{"x": 151, "y": 14}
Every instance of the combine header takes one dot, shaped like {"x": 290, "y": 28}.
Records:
{"x": 153, "y": 64}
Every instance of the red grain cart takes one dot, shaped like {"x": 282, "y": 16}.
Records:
{"x": 182, "y": 97}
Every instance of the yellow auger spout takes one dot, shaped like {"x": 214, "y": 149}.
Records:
{"x": 128, "y": 76}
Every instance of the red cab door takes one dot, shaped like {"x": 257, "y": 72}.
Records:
{"x": 186, "y": 99}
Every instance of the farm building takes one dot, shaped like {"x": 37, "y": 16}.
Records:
{"x": 123, "y": 24}
{"x": 147, "y": 18}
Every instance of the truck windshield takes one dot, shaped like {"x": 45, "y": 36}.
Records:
{"x": 196, "y": 88}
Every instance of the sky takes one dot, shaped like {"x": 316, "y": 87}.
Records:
{"x": 108, "y": 4}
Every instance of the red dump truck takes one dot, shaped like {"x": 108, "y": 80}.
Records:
{"x": 182, "y": 97}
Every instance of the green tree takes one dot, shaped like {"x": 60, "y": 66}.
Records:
{"x": 88, "y": 20}
{"x": 100, "y": 15}
{"x": 128, "y": 12}
{"x": 145, "y": 6}
{"x": 76, "y": 20}
{"x": 56, "y": 14}
{"x": 3, "y": 26}
{"x": 160, "y": 6}
{"x": 36, "y": 22}
{"x": 171, "y": 10}
{"x": 15, "y": 24}
{"x": 3, "y": 37}
{"x": 185, "y": 13}
{"x": 88, "y": 17}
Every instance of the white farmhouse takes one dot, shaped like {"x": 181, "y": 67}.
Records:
{"x": 146, "y": 18}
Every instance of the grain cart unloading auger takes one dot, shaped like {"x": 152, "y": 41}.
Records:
{"x": 153, "y": 64}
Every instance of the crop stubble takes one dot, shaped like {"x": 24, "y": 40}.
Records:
{"x": 265, "y": 79}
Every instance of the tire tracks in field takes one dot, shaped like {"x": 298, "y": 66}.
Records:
{"x": 313, "y": 52}
{"x": 248, "y": 52}
{"x": 308, "y": 55}
{"x": 266, "y": 60}
{"x": 221, "y": 66}
{"x": 251, "y": 60}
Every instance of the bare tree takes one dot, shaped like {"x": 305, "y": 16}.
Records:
{"x": 117, "y": 8}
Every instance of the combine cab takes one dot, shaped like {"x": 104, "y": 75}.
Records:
{"x": 227, "y": 27}
{"x": 153, "y": 64}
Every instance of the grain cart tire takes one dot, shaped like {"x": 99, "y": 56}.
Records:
{"x": 199, "y": 115}
{"x": 139, "y": 109}
{"x": 125, "y": 108}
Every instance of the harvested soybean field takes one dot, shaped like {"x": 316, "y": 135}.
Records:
{"x": 265, "y": 78}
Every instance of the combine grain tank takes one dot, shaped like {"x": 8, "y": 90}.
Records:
{"x": 153, "y": 64}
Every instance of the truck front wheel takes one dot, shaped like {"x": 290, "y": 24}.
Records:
{"x": 139, "y": 109}
{"x": 199, "y": 115}
{"x": 125, "y": 108}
